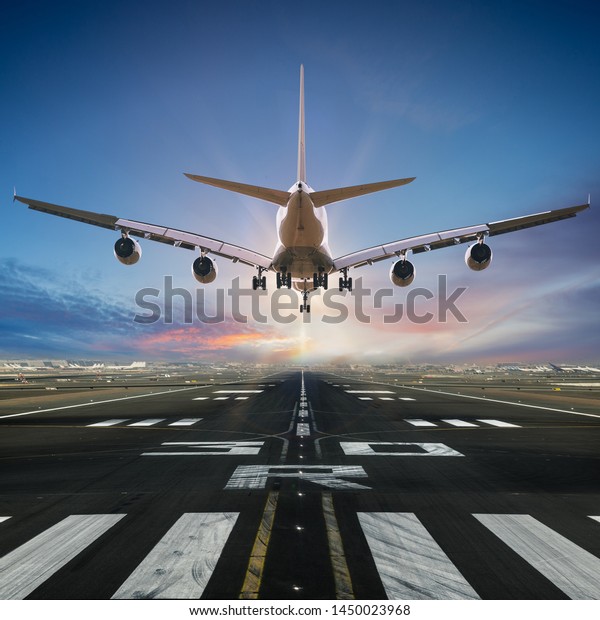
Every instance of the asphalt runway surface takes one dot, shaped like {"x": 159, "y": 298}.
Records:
{"x": 301, "y": 485}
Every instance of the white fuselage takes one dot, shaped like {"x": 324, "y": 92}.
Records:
{"x": 302, "y": 249}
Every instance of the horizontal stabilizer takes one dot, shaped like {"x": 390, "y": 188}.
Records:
{"x": 328, "y": 196}
{"x": 263, "y": 193}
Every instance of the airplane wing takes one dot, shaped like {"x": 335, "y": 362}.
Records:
{"x": 171, "y": 236}
{"x": 435, "y": 241}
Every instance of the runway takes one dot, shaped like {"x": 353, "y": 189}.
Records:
{"x": 301, "y": 485}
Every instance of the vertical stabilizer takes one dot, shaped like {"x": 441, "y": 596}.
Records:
{"x": 301, "y": 144}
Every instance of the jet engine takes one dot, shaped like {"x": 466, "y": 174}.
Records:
{"x": 204, "y": 270}
{"x": 478, "y": 256}
{"x": 402, "y": 273}
{"x": 127, "y": 251}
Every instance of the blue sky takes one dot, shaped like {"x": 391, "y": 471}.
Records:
{"x": 492, "y": 106}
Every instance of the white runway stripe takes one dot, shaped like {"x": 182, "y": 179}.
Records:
{"x": 4, "y": 519}
{"x": 595, "y": 518}
{"x": 181, "y": 564}
{"x": 186, "y": 422}
{"x": 365, "y": 398}
{"x": 500, "y": 423}
{"x": 570, "y": 568}
{"x": 411, "y": 564}
{"x": 27, "y": 567}
{"x": 221, "y": 398}
{"x": 108, "y": 423}
{"x": 385, "y": 398}
{"x": 241, "y": 398}
{"x": 201, "y": 398}
{"x": 406, "y": 398}
{"x": 238, "y": 391}
{"x": 149, "y": 422}
{"x": 416, "y": 422}
{"x": 460, "y": 423}
{"x": 369, "y": 392}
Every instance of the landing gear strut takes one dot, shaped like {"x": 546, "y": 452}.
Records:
{"x": 304, "y": 306}
{"x": 259, "y": 281}
{"x": 345, "y": 281}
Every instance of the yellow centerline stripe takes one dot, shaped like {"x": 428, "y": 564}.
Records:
{"x": 256, "y": 565}
{"x": 341, "y": 574}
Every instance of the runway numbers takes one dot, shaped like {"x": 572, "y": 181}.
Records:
{"x": 210, "y": 448}
{"x": 328, "y": 476}
{"x": 396, "y": 448}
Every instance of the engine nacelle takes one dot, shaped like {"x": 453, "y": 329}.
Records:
{"x": 402, "y": 273}
{"x": 478, "y": 256}
{"x": 204, "y": 270}
{"x": 127, "y": 251}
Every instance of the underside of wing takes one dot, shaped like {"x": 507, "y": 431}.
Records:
{"x": 275, "y": 196}
{"x": 328, "y": 196}
{"x": 435, "y": 241}
{"x": 170, "y": 236}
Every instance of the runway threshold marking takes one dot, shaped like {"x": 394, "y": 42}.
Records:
{"x": 108, "y": 423}
{"x": 256, "y": 564}
{"x": 411, "y": 565}
{"x": 149, "y": 422}
{"x": 182, "y": 562}
{"x": 96, "y": 402}
{"x": 341, "y": 573}
{"x": 569, "y": 567}
{"x": 28, "y": 566}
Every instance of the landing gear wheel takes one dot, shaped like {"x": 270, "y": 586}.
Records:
{"x": 254, "y": 283}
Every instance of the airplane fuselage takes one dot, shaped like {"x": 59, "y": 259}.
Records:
{"x": 302, "y": 249}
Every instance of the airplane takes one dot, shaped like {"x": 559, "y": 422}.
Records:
{"x": 302, "y": 257}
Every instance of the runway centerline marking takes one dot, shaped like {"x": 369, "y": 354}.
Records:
{"x": 28, "y": 566}
{"x": 412, "y": 566}
{"x": 182, "y": 563}
{"x": 569, "y": 567}
{"x": 97, "y": 402}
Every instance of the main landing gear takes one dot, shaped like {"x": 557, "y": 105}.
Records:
{"x": 259, "y": 281}
{"x": 345, "y": 281}
{"x": 284, "y": 278}
{"x": 320, "y": 279}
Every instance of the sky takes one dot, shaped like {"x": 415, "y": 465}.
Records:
{"x": 492, "y": 106}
